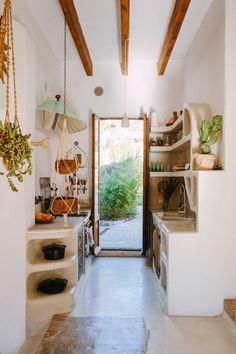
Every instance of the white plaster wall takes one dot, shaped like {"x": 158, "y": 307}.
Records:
{"x": 203, "y": 265}
{"x": 204, "y": 73}
{"x": 204, "y": 62}
{"x": 145, "y": 92}
{"x": 17, "y": 211}
{"x": 145, "y": 89}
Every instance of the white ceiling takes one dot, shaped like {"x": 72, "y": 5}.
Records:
{"x": 100, "y": 22}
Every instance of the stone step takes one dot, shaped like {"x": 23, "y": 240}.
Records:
{"x": 230, "y": 308}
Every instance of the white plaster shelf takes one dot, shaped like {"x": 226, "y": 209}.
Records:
{"x": 44, "y": 264}
{"x": 178, "y": 146}
{"x": 70, "y": 273}
{"x": 37, "y": 296}
{"x": 170, "y": 174}
{"x": 41, "y": 307}
{"x": 174, "y": 127}
{"x": 50, "y": 234}
{"x": 35, "y": 256}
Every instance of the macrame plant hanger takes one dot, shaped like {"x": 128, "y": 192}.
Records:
{"x": 85, "y": 165}
{"x": 17, "y": 155}
{"x": 65, "y": 165}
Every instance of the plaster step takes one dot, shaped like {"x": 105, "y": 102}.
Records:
{"x": 230, "y": 308}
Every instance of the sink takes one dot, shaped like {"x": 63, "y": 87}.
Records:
{"x": 176, "y": 218}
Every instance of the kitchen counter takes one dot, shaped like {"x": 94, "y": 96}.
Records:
{"x": 180, "y": 225}
{"x": 57, "y": 224}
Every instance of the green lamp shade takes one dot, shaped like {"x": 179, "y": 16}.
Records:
{"x": 55, "y": 119}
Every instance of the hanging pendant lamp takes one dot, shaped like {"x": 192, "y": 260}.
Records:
{"x": 55, "y": 111}
{"x": 54, "y": 115}
{"x": 125, "y": 119}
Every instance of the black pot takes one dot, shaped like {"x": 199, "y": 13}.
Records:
{"x": 52, "y": 285}
{"x": 54, "y": 251}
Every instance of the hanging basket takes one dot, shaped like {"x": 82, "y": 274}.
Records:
{"x": 65, "y": 205}
{"x": 15, "y": 149}
{"x": 65, "y": 167}
{"x": 67, "y": 161}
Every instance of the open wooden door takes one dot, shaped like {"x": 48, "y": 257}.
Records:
{"x": 146, "y": 238}
{"x": 96, "y": 180}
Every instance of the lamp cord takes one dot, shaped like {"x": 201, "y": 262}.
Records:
{"x": 65, "y": 55}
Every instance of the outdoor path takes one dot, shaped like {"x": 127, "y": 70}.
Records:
{"x": 125, "y": 234}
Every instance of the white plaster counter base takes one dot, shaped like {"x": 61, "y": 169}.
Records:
{"x": 41, "y": 307}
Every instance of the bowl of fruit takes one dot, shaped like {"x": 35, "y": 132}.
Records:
{"x": 43, "y": 218}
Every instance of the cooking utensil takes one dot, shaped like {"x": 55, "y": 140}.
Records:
{"x": 54, "y": 251}
{"x": 52, "y": 285}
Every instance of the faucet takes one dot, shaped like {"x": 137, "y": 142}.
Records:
{"x": 182, "y": 210}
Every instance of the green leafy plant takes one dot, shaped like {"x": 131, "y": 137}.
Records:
{"x": 210, "y": 133}
{"x": 119, "y": 189}
{"x": 15, "y": 152}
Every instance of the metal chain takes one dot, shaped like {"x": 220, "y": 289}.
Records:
{"x": 65, "y": 53}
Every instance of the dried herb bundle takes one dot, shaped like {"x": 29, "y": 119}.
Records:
{"x": 170, "y": 186}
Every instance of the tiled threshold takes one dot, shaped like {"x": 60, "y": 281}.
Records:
{"x": 119, "y": 253}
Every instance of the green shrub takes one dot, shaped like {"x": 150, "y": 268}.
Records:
{"x": 119, "y": 187}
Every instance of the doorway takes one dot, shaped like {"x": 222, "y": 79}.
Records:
{"x": 119, "y": 184}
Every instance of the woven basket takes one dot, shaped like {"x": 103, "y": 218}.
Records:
{"x": 64, "y": 206}
{"x": 66, "y": 167}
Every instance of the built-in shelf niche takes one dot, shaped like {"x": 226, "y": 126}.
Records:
{"x": 34, "y": 251}
{"x": 69, "y": 273}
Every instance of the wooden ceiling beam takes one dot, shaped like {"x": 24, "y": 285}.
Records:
{"x": 72, "y": 19}
{"x": 124, "y": 25}
{"x": 176, "y": 21}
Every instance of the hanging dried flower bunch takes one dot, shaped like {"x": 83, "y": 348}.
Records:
{"x": 15, "y": 149}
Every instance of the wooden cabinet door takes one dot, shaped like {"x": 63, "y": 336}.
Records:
{"x": 157, "y": 250}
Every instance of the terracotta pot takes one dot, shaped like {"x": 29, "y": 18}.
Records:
{"x": 204, "y": 161}
{"x": 66, "y": 167}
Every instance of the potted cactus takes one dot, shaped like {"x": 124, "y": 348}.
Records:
{"x": 209, "y": 135}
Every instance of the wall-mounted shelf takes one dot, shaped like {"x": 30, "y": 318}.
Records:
{"x": 172, "y": 128}
{"x": 170, "y": 174}
{"x": 175, "y": 147}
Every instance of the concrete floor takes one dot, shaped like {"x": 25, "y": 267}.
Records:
{"x": 126, "y": 287}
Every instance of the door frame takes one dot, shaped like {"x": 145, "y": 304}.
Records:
{"x": 96, "y": 218}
